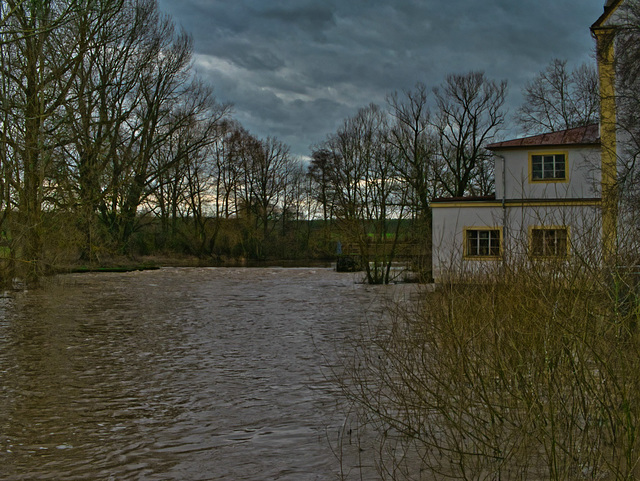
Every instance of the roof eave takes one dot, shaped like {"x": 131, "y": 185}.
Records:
{"x": 543, "y": 146}
{"x": 586, "y": 135}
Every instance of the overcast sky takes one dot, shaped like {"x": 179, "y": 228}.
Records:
{"x": 295, "y": 69}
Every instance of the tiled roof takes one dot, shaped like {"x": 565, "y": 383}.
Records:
{"x": 589, "y": 135}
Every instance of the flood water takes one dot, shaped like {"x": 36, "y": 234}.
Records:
{"x": 178, "y": 374}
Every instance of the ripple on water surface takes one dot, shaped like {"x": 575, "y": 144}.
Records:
{"x": 175, "y": 374}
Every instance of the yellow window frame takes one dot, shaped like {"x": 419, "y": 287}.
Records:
{"x": 566, "y": 228}
{"x": 465, "y": 241}
{"x": 563, "y": 180}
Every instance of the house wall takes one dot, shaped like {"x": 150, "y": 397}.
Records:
{"x": 583, "y": 222}
{"x": 514, "y": 221}
{"x": 447, "y": 236}
{"x": 583, "y": 175}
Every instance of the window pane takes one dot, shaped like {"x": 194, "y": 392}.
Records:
{"x": 536, "y": 167}
{"x": 548, "y": 167}
{"x": 560, "y": 170}
{"x": 472, "y": 240}
{"x": 537, "y": 242}
{"x": 561, "y": 242}
{"x": 494, "y": 248}
{"x": 549, "y": 248}
{"x": 483, "y": 244}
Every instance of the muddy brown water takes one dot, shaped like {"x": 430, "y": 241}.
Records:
{"x": 178, "y": 374}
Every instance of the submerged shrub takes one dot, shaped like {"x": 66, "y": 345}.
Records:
{"x": 530, "y": 375}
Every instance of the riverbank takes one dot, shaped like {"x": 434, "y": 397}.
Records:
{"x": 129, "y": 264}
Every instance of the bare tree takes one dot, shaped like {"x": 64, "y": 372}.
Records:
{"x": 469, "y": 113}
{"x": 264, "y": 170}
{"x": 412, "y": 138}
{"x": 100, "y": 103}
{"x": 40, "y": 60}
{"x": 369, "y": 193}
{"x": 162, "y": 82}
{"x": 134, "y": 116}
{"x": 559, "y": 99}
{"x": 296, "y": 208}
{"x": 320, "y": 175}
{"x": 184, "y": 170}
{"x": 225, "y": 156}
{"x": 270, "y": 169}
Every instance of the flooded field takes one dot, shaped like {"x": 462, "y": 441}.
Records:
{"x": 178, "y": 374}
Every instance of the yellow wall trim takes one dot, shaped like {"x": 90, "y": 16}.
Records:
{"x": 520, "y": 203}
{"x": 469, "y": 204}
{"x": 605, "y": 43}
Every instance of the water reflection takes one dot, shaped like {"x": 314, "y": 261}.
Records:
{"x": 175, "y": 374}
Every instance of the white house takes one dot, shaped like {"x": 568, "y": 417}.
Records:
{"x": 555, "y": 193}
{"x": 547, "y": 203}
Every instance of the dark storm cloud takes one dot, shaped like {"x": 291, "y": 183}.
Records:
{"x": 294, "y": 69}
{"x": 312, "y": 20}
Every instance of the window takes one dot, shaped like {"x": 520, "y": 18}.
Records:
{"x": 548, "y": 167}
{"x": 482, "y": 242}
{"x": 549, "y": 242}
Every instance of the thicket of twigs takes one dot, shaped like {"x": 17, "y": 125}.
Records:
{"x": 532, "y": 375}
